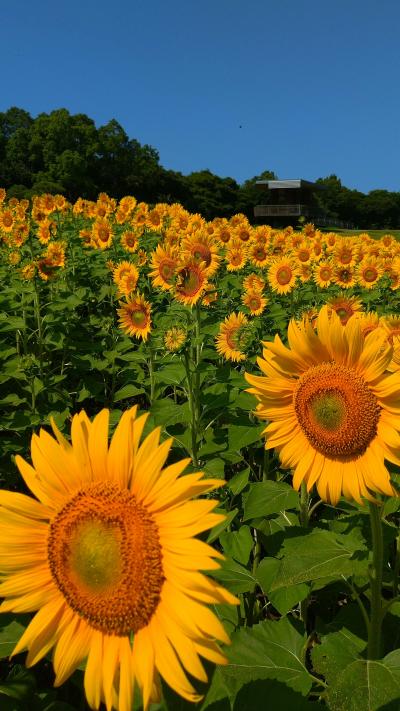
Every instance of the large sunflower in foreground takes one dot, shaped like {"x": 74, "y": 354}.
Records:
{"x": 332, "y": 406}
{"x": 107, "y": 557}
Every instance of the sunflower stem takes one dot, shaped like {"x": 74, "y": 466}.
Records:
{"x": 151, "y": 375}
{"x": 192, "y": 408}
{"x": 396, "y": 567}
{"x": 375, "y": 574}
{"x": 304, "y": 503}
{"x": 36, "y": 304}
{"x": 304, "y": 520}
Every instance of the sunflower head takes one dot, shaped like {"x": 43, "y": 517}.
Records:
{"x": 175, "y": 338}
{"x": 191, "y": 282}
{"x": 331, "y": 406}
{"x": 112, "y": 561}
{"x": 135, "y": 316}
{"x": 344, "y": 306}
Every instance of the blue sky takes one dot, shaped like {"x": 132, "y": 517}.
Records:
{"x": 302, "y": 87}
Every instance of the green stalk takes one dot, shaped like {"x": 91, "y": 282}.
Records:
{"x": 304, "y": 520}
{"x": 192, "y": 408}
{"x": 304, "y": 502}
{"x": 396, "y": 569}
{"x": 36, "y": 303}
{"x": 151, "y": 375}
{"x": 376, "y": 574}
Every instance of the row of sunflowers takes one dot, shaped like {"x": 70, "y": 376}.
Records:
{"x": 258, "y": 363}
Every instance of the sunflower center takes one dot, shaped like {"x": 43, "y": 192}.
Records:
{"x": 343, "y": 313}
{"x": 346, "y": 256}
{"x": 139, "y": 317}
{"x": 325, "y": 273}
{"x": 345, "y": 275}
{"x": 284, "y": 275}
{"x": 254, "y": 302}
{"x": 328, "y": 410}
{"x": 336, "y": 410}
{"x": 303, "y": 255}
{"x": 370, "y": 274}
{"x": 105, "y": 557}
{"x": 166, "y": 270}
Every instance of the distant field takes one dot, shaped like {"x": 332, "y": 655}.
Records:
{"x": 374, "y": 233}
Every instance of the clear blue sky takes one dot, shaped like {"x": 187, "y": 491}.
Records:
{"x": 313, "y": 84}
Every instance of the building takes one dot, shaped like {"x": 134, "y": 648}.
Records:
{"x": 289, "y": 200}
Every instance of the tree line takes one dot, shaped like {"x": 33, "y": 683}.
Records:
{"x": 66, "y": 153}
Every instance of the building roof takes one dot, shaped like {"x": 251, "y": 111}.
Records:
{"x": 296, "y": 183}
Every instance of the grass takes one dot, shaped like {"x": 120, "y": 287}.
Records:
{"x": 377, "y": 234}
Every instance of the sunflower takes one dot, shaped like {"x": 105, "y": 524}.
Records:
{"x": 174, "y": 338}
{"x": 344, "y": 276}
{"x": 253, "y": 282}
{"x": 369, "y": 272}
{"x": 228, "y": 340}
{"x": 391, "y": 325}
{"x": 332, "y": 407}
{"x": 369, "y": 321}
{"x": 236, "y": 256}
{"x": 258, "y": 254}
{"x": 121, "y": 269}
{"x": 128, "y": 283}
{"x": 102, "y": 233}
{"x": 224, "y": 232}
{"x": 201, "y": 247}
{"x": 305, "y": 273}
{"x": 6, "y": 220}
{"x": 255, "y": 302}
{"x": 304, "y": 253}
{"x": 56, "y": 253}
{"x": 129, "y": 241}
{"x": 112, "y": 562}
{"x": 345, "y": 306}
{"x": 323, "y": 274}
{"x": 243, "y": 232}
{"x": 46, "y": 268}
{"x": 344, "y": 253}
{"x": 282, "y": 275}
{"x": 135, "y": 316}
{"x": 191, "y": 283}
{"x": 2, "y": 195}
{"x": 28, "y": 272}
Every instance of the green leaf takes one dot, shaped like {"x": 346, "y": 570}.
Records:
{"x": 239, "y": 481}
{"x": 336, "y": 652}
{"x": 238, "y": 544}
{"x": 10, "y": 632}
{"x": 166, "y": 412}
{"x": 241, "y": 436}
{"x": 269, "y": 650}
{"x": 19, "y": 684}
{"x": 235, "y": 577}
{"x": 214, "y": 468}
{"x": 270, "y": 694}
{"x": 269, "y": 497}
{"x": 312, "y": 555}
{"x": 217, "y": 530}
{"x": 368, "y": 685}
{"x": 285, "y": 598}
{"x": 173, "y": 374}
{"x": 126, "y": 392}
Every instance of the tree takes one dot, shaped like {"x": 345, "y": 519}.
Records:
{"x": 211, "y": 195}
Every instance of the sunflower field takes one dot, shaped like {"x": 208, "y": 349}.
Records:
{"x": 199, "y": 465}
